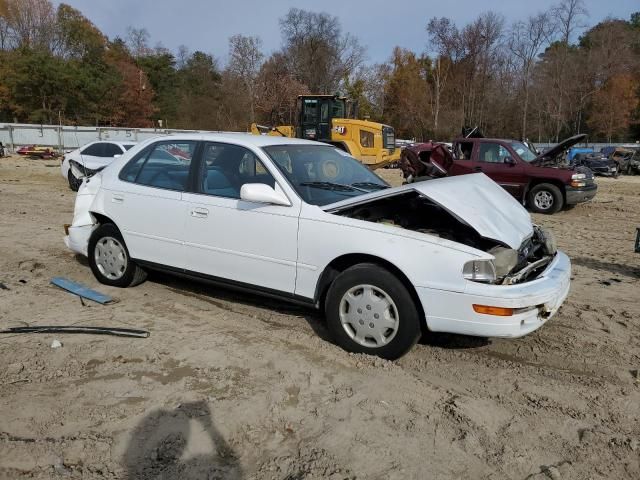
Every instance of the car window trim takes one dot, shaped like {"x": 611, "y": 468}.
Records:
{"x": 146, "y": 152}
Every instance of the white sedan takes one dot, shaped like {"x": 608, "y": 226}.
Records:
{"x": 305, "y": 222}
{"x": 89, "y": 159}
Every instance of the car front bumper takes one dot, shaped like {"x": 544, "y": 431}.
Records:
{"x": 534, "y": 303}
{"x": 582, "y": 194}
{"x": 78, "y": 238}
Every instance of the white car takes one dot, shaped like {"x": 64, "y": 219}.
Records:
{"x": 305, "y": 222}
{"x": 89, "y": 159}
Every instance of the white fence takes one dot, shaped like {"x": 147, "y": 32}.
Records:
{"x": 65, "y": 138}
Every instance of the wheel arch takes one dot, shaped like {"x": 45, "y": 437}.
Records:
{"x": 553, "y": 181}
{"x": 102, "y": 219}
{"x": 341, "y": 263}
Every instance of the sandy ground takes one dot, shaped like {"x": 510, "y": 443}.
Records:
{"x": 235, "y": 386}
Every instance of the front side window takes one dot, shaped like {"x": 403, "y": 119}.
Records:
{"x": 323, "y": 174}
{"x": 226, "y": 167}
{"x": 492, "y": 153}
{"x": 166, "y": 165}
{"x": 366, "y": 139}
{"x": 523, "y": 151}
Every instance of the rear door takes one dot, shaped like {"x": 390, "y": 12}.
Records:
{"x": 501, "y": 165}
{"x": 462, "y": 163}
{"x": 146, "y": 203}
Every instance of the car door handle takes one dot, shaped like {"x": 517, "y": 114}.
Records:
{"x": 117, "y": 198}
{"x": 200, "y": 213}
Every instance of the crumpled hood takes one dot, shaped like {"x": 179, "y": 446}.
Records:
{"x": 473, "y": 199}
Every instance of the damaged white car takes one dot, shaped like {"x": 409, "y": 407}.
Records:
{"x": 304, "y": 222}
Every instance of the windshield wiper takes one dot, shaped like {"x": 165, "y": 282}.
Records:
{"x": 332, "y": 186}
{"x": 377, "y": 186}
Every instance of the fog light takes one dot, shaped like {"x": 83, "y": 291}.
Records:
{"x": 489, "y": 310}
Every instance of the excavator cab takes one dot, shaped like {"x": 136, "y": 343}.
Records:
{"x": 316, "y": 113}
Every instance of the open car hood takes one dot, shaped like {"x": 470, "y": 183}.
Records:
{"x": 559, "y": 148}
{"x": 474, "y": 199}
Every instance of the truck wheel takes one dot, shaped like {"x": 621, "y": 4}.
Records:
{"x": 109, "y": 258}
{"x": 370, "y": 311}
{"x": 545, "y": 198}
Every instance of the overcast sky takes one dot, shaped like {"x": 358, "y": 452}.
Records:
{"x": 379, "y": 24}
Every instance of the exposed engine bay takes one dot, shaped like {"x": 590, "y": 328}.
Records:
{"x": 413, "y": 211}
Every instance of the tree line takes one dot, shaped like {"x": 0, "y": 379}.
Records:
{"x": 535, "y": 78}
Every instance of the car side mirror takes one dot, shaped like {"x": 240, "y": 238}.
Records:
{"x": 509, "y": 161}
{"x": 262, "y": 193}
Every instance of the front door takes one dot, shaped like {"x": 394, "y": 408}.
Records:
{"x": 498, "y": 163}
{"x": 231, "y": 239}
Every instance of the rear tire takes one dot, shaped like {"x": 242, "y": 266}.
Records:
{"x": 545, "y": 198}
{"x": 74, "y": 183}
{"x": 109, "y": 258}
{"x": 369, "y": 310}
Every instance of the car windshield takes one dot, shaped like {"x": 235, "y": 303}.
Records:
{"x": 523, "y": 151}
{"x": 322, "y": 174}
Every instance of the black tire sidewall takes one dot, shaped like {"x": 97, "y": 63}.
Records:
{"x": 558, "y": 200}
{"x": 110, "y": 230}
{"x": 409, "y": 330}
{"x": 74, "y": 183}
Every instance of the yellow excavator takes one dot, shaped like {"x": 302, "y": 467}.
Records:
{"x": 333, "y": 119}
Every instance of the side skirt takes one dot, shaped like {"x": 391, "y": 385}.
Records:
{"x": 230, "y": 284}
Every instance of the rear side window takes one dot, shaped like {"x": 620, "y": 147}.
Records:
{"x": 95, "y": 150}
{"x": 163, "y": 165}
{"x": 111, "y": 149}
{"x": 366, "y": 139}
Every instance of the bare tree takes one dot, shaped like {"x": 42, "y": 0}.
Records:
{"x": 318, "y": 53}
{"x": 182, "y": 57}
{"x": 569, "y": 15}
{"x": 526, "y": 40}
{"x": 480, "y": 50}
{"x": 28, "y": 23}
{"x": 138, "y": 41}
{"x": 245, "y": 60}
{"x": 444, "y": 42}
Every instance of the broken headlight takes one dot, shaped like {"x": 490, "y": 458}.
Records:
{"x": 506, "y": 259}
{"x": 480, "y": 271}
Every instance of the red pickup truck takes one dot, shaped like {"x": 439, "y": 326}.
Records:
{"x": 540, "y": 181}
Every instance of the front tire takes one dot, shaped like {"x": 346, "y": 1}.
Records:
{"x": 109, "y": 258}
{"x": 369, "y": 310}
{"x": 545, "y": 198}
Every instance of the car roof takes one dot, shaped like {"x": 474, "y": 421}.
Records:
{"x": 244, "y": 139}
